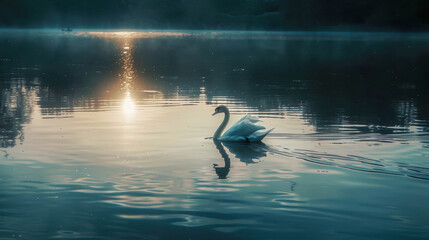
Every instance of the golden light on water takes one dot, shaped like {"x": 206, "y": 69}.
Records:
{"x": 127, "y": 79}
{"x": 128, "y": 106}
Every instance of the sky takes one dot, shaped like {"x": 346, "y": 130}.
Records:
{"x": 370, "y": 15}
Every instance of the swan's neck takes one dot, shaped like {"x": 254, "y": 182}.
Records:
{"x": 222, "y": 126}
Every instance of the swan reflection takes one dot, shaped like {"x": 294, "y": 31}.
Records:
{"x": 244, "y": 151}
{"x": 222, "y": 172}
{"x": 247, "y": 152}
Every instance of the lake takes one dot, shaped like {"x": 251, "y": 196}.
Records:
{"x": 106, "y": 135}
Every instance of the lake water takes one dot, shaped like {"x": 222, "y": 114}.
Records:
{"x": 105, "y": 135}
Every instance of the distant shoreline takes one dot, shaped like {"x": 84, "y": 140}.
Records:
{"x": 223, "y": 34}
{"x": 333, "y": 29}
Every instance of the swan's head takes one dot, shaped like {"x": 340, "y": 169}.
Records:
{"x": 220, "y": 109}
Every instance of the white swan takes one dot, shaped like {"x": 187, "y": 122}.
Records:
{"x": 243, "y": 130}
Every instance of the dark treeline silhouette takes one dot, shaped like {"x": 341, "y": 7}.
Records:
{"x": 371, "y": 15}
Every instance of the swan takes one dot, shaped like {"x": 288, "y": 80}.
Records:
{"x": 243, "y": 130}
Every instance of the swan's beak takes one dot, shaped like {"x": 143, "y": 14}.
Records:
{"x": 215, "y": 113}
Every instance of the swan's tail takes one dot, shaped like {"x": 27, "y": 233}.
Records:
{"x": 258, "y": 136}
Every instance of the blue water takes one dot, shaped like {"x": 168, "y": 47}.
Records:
{"x": 106, "y": 135}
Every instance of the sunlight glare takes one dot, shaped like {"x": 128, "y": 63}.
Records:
{"x": 127, "y": 81}
{"x": 128, "y": 105}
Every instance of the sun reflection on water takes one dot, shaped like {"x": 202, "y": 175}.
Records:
{"x": 128, "y": 106}
{"x": 127, "y": 79}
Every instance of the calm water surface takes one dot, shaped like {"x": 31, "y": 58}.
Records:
{"x": 104, "y": 135}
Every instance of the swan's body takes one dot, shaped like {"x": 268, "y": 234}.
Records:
{"x": 244, "y": 129}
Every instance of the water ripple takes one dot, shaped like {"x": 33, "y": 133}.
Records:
{"x": 355, "y": 162}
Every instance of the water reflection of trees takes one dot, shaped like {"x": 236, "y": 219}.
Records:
{"x": 16, "y": 106}
{"x": 329, "y": 82}
{"x": 366, "y": 82}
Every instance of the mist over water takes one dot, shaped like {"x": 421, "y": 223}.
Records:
{"x": 105, "y": 134}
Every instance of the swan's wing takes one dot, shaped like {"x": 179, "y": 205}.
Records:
{"x": 241, "y": 129}
{"x": 258, "y": 136}
{"x": 249, "y": 118}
